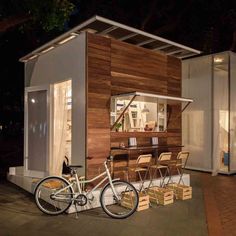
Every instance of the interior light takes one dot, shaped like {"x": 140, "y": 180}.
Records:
{"x": 32, "y": 100}
{"x": 218, "y": 59}
{"x": 67, "y": 39}
{"x": 145, "y": 109}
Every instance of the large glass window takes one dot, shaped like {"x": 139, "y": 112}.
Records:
{"x": 197, "y": 118}
{"x": 145, "y": 112}
{"x": 232, "y": 112}
{"x": 142, "y": 114}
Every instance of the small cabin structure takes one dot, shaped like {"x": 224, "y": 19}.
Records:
{"x": 78, "y": 86}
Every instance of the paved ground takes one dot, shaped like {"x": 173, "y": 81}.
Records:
{"x": 19, "y": 216}
{"x": 220, "y": 204}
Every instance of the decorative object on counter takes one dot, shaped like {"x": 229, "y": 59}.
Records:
{"x": 132, "y": 141}
{"x": 147, "y": 128}
{"x": 117, "y": 127}
{"x": 122, "y": 145}
{"x": 154, "y": 141}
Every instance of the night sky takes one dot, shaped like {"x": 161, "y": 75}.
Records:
{"x": 205, "y": 25}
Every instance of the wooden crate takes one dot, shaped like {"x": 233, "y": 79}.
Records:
{"x": 53, "y": 184}
{"x": 182, "y": 192}
{"x": 128, "y": 201}
{"x": 161, "y": 196}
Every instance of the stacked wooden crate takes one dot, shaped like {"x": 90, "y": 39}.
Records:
{"x": 182, "y": 192}
{"x": 161, "y": 196}
{"x": 128, "y": 201}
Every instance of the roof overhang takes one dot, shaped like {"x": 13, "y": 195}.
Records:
{"x": 148, "y": 96}
{"x": 102, "y": 26}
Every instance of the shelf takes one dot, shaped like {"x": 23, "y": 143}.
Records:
{"x": 138, "y": 134}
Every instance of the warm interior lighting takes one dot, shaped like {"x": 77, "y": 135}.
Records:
{"x": 47, "y": 49}
{"x": 32, "y": 57}
{"x": 218, "y": 60}
{"x": 67, "y": 39}
{"x": 33, "y": 100}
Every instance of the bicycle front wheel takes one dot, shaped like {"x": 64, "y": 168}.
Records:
{"x": 121, "y": 204}
{"x": 53, "y": 195}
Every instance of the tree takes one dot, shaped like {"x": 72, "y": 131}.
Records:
{"x": 48, "y": 14}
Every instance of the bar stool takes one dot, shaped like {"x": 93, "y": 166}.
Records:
{"x": 183, "y": 158}
{"x": 164, "y": 156}
{"x": 142, "y": 166}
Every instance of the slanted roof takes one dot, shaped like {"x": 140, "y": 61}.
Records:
{"x": 102, "y": 26}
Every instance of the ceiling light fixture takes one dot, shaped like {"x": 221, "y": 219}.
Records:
{"x": 218, "y": 60}
{"x": 67, "y": 39}
{"x": 32, "y": 57}
{"x": 47, "y": 49}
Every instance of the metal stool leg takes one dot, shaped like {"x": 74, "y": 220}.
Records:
{"x": 180, "y": 172}
{"x": 152, "y": 175}
{"x": 142, "y": 179}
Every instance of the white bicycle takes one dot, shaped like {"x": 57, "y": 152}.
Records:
{"x": 54, "y": 194}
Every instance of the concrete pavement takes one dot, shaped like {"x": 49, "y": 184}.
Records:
{"x": 20, "y": 216}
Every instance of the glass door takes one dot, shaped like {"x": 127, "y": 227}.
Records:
{"x": 221, "y": 157}
{"x": 37, "y": 131}
{"x": 232, "y": 112}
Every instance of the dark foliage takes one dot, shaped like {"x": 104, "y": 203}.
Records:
{"x": 207, "y": 25}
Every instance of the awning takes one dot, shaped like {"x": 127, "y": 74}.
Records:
{"x": 150, "y": 96}
{"x": 147, "y": 97}
{"x": 102, "y": 26}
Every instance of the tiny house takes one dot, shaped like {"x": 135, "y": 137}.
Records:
{"x": 92, "y": 89}
{"x": 209, "y": 124}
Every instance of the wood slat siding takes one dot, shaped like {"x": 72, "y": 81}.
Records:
{"x": 137, "y": 69}
{"x": 115, "y": 67}
{"x": 98, "y": 101}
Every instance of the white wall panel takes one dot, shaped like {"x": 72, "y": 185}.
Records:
{"x": 197, "y": 118}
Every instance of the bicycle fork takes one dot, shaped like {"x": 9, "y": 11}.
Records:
{"x": 111, "y": 183}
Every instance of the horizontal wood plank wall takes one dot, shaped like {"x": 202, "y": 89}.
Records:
{"x": 138, "y": 69}
{"x": 116, "y": 67}
{"x": 174, "y": 89}
{"x": 98, "y": 105}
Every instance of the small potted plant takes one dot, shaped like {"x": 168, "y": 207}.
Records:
{"x": 117, "y": 126}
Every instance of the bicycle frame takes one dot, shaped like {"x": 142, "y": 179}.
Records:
{"x": 79, "y": 183}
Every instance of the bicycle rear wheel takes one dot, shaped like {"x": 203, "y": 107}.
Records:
{"x": 127, "y": 201}
{"x": 47, "y": 198}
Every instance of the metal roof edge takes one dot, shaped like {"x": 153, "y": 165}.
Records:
{"x": 61, "y": 37}
{"x": 105, "y": 20}
{"x": 75, "y": 29}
